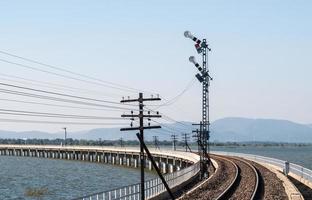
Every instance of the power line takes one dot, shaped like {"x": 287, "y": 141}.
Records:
{"x": 55, "y": 85}
{"x": 170, "y": 129}
{"x": 50, "y": 116}
{"x": 60, "y": 99}
{"x": 169, "y": 119}
{"x": 61, "y": 94}
{"x": 45, "y": 114}
{"x": 175, "y": 99}
{"x": 64, "y": 76}
{"x": 58, "y": 122}
{"x": 178, "y": 122}
{"x": 56, "y": 105}
{"x": 71, "y": 72}
{"x": 140, "y": 135}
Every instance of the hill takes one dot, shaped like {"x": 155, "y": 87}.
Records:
{"x": 244, "y": 129}
{"x": 222, "y": 130}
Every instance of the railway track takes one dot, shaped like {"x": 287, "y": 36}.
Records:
{"x": 245, "y": 185}
{"x": 226, "y": 172}
{"x": 238, "y": 179}
{"x": 234, "y": 179}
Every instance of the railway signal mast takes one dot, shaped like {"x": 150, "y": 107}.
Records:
{"x": 204, "y": 78}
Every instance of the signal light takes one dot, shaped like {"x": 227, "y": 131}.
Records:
{"x": 192, "y": 60}
{"x": 188, "y": 34}
{"x": 199, "y": 77}
{"x": 198, "y": 48}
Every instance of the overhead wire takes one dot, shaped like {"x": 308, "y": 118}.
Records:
{"x": 56, "y": 86}
{"x": 119, "y": 86}
{"x": 167, "y": 118}
{"x": 45, "y": 114}
{"x": 176, "y": 98}
{"x": 63, "y": 76}
{"x": 168, "y": 127}
{"x": 61, "y": 94}
{"x": 57, "y": 105}
{"x": 58, "y": 122}
{"x": 62, "y": 99}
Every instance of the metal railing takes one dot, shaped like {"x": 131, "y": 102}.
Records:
{"x": 153, "y": 187}
{"x": 293, "y": 168}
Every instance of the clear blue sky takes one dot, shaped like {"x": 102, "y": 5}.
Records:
{"x": 260, "y": 59}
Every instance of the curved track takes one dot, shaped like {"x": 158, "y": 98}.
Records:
{"x": 246, "y": 184}
{"x": 224, "y": 176}
{"x": 238, "y": 179}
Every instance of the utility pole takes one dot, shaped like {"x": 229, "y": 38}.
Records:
{"x": 174, "y": 141}
{"x": 155, "y": 138}
{"x": 100, "y": 141}
{"x": 121, "y": 142}
{"x": 204, "y": 78}
{"x": 141, "y": 116}
{"x": 197, "y": 139}
{"x": 65, "y": 136}
{"x": 186, "y": 137}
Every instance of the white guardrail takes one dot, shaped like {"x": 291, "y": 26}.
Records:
{"x": 153, "y": 187}
{"x": 282, "y": 164}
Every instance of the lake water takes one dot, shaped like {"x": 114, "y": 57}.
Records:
{"x": 63, "y": 179}
{"x": 298, "y": 155}
{"x": 69, "y": 179}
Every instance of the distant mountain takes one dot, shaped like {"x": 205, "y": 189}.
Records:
{"x": 115, "y": 133}
{"x": 244, "y": 129}
{"x": 222, "y": 130}
{"x": 29, "y": 134}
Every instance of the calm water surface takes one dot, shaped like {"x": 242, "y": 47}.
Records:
{"x": 63, "y": 179}
{"x": 69, "y": 179}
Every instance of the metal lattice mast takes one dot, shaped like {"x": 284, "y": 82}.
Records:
{"x": 205, "y": 106}
{"x": 204, "y": 78}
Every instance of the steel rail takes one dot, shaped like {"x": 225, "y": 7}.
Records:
{"x": 228, "y": 189}
{"x": 256, "y": 188}
{"x": 231, "y": 186}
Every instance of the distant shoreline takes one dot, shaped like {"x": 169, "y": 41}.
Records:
{"x": 84, "y": 142}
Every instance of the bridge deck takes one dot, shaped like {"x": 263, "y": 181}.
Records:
{"x": 163, "y": 152}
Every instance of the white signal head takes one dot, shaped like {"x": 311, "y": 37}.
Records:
{"x": 192, "y": 60}
{"x": 188, "y": 34}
